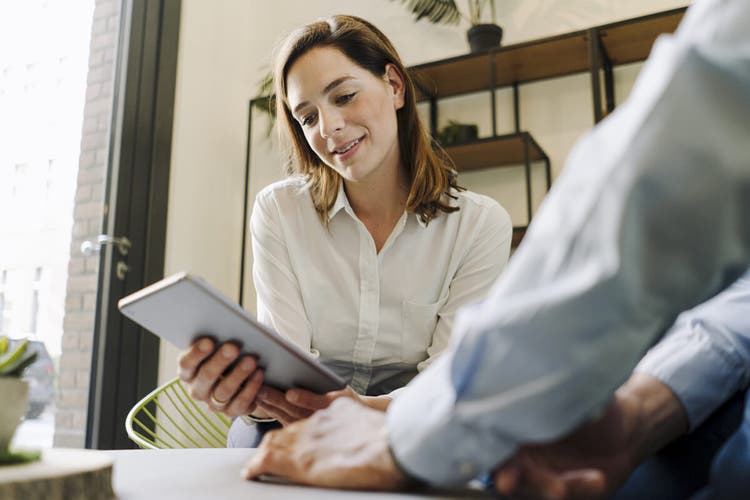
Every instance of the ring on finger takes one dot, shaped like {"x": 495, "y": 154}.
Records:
{"x": 217, "y": 403}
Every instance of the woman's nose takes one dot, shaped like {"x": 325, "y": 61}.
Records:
{"x": 330, "y": 123}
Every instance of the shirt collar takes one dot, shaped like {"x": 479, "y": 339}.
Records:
{"x": 342, "y": 203}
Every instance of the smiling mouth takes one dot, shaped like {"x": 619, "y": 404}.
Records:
{"x": 348, "y": 146}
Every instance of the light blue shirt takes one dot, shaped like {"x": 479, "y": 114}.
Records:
{"x": 705, "y": 356}
{"x": 650, "y": 217}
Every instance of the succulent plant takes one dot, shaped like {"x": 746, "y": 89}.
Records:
{"x": 15, "y": 357}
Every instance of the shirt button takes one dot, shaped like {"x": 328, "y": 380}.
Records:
{"x": 467, "y": 469}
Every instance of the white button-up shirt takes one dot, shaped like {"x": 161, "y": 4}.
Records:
{"x": 650, "y": 217}
{"x": 375, "y": 318}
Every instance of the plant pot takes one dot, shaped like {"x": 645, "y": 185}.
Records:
{"x": 483, "y": 37}
{"x": 15, "y": 393}
{"x": 457, "y": 133}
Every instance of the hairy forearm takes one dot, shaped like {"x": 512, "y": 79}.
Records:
{"x": 658, "y": 416}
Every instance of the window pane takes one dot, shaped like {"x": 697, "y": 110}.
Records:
{"x": 44, "y": 63}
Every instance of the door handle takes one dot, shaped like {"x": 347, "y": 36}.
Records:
{"x": 89, "y": 248}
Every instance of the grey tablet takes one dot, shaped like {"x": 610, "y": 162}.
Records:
{"x": 182, "y": 308}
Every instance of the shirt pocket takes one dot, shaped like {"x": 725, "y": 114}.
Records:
{"x": 419, "y": 322}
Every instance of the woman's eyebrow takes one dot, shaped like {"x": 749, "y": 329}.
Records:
{"x": 328, "y": 88}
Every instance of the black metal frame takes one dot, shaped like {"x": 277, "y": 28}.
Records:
{"x": 528, "y": 140}
{"x": 125, "y": 358}
{"x": 599, "y": 62}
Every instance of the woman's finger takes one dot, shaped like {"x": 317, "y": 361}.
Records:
{"x": 276, "y": 413}
{"x": 307, "y": 399}
{"x": 243, "y": 402}
{"x": 190, "y": 360}
{"x": 231, "y": 383}
{"x": 277, "y": 399}
{"x": 209, "y": 373}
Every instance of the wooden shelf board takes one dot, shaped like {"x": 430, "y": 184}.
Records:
{"x": 557, "y": 56}
{"x": 553, "y": 57}
{"x": 625, "y": 42}
{"x": 459, "y": 75}
{"x": 628, "y": 42}
{"x": 500, "y": 151}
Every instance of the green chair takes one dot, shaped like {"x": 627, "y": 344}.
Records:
{"x": 175, "y": 420}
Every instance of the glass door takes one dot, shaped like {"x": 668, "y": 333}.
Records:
{"x": 44, "y": 61}
{"x": 86, "y": 140}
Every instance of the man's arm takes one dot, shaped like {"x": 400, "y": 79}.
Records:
{"x": 705, "y": 356}
{"x": 596, "y": 459}
{"x": 701, "y": 362}
{"x": 648, "y": 219}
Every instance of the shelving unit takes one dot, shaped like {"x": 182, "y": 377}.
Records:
{"x": 595, "y": 50}
{"x": 591, "y": 50}
{"x": 500, "y": 151}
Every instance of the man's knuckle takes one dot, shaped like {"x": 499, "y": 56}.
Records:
{"x": 269, "y": 457}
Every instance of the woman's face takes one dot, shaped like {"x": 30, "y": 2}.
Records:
{"x": 348, "y": 115}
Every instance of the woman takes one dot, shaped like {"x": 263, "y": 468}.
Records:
{"x": 363, "y": 255}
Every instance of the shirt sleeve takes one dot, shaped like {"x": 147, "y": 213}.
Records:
{"x": 480, "y": 268}
{"x": 648, "y": 219}
{"x": 705, "y": 356}
{"x": 279, "y": 303}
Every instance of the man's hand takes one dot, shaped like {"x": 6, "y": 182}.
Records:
{"x": 343, "y": 446}
{"x": 596, "y": 459}
{"x": 590, "y": 463}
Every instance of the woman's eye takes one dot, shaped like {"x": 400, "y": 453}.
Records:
{"x": 307, "y": 120}
{"x": 343, "y": 99}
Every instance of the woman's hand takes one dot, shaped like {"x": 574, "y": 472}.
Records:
{"x": 232, "y": 393}
{"x": 297, "y": 404}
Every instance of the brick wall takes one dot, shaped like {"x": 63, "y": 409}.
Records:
{"x": 80, "y": 302}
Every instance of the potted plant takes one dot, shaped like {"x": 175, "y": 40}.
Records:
{"x": 482, "y": 35}
{"x": 265, "y": 100}
{"x": 455, "y": 133}
{"x": 14, "y": 358}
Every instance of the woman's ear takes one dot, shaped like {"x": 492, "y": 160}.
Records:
{"x": 395, "y": 80}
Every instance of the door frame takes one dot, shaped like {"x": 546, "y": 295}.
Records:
{"x": 125, "y": 358}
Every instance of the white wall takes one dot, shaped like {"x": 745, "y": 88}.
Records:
{"x": 225, "y": 48}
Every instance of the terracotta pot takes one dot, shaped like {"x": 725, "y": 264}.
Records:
{"x": 14, "y": 394}
{"x": 483, "y": 37}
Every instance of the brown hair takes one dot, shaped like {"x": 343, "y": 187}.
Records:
{"x": 429, "y": 170}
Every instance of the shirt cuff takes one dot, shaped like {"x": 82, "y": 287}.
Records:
{"x": 435, "y": 446}
{"x": 700, "y": 370}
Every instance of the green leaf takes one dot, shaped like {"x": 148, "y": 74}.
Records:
{"x": 14, "y": 362}
{"x": 17, "y": 368}
{"x": 435, "y": 11}
{"x": 265, "y": 100}
{"x": 8, "y": 457}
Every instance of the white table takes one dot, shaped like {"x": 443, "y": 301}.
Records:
{"x": 215, "y": 473}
